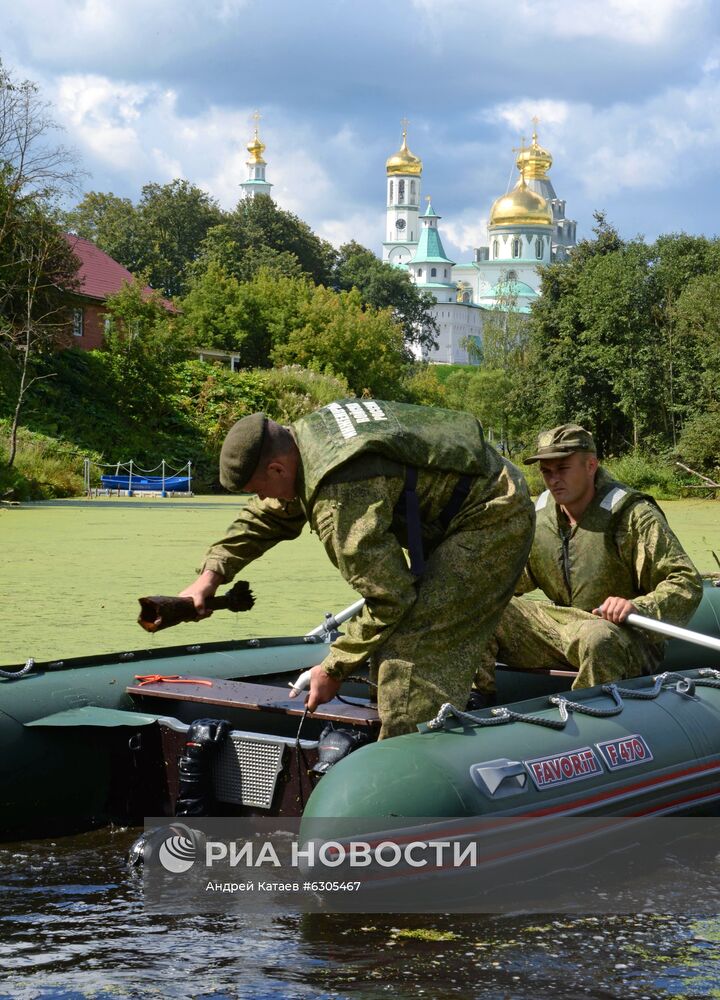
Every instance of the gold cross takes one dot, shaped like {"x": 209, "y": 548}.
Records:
{"x": 522, "y": 147}
{"x": 404, "y": 122}
{"x": 257, "y": 116}
{"x": 427, "y": 198}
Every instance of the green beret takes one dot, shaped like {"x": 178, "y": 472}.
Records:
{"x": 240, "y": 453}
{"x": 562, "y": 441}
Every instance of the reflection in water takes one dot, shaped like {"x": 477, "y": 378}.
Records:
{"x": 73, "y": 925}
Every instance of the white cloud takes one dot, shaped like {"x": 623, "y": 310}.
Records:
{"x": 104, "y": 117}
{"x": 363, "y": 227}
{"x": 465, "y": 232}
{"x": 638, "y": 22}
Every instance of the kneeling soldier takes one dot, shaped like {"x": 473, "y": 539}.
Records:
{"x": 601, "y": 551}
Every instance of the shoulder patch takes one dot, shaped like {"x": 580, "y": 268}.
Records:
{"x": 613, "y": 498}
{"x": 542, "y": 500}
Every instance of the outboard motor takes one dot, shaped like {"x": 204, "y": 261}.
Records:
{"x": 334, "y": 744}
{"x": 154, "y": 847}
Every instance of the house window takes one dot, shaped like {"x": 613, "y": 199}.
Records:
{"x": 511, "y": 276}
{"x": 419, "y": 272}
{"x": 401, "y": 191}
{"x": 516, "y": 247}
{"x": 78, "y": 322}
{"x": 433, "y": 272}
{"x": 496, "y": 249}
{"x": 391, "y": 193}
{"x": 445, "y": 272}
{"x": 466, "y": 297}
{"x": 413, "y": 199}
{"x": 538, "y": 248}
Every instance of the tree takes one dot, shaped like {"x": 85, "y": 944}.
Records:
{"x": 36, "y": 264}
{"x": 383, "y": 286}
{"x": 32, "y": 162}
{"x": 176, "y": 218}
{"x": 220, "y": 251}
{"x": 141, "y": 348}
{"x": 258, "y": 223}
{"x": 337, "y": 335}
{"x": 248, "y": 317}
{"x": 160, "y": 236}
{"x": 113, "y": 224}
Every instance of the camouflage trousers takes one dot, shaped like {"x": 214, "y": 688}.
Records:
{"x": 540, "y": 635}
{"x": 431, "y": 656}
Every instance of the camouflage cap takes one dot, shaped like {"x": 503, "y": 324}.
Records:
{"x": 562, "y": 441}
{"x": 240, "y": 453}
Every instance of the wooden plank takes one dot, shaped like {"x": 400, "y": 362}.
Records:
{"x": 256, "y": 698}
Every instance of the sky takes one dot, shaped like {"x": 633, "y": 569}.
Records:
{"x": 627, "y": 93}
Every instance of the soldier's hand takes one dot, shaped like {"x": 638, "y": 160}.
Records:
{"x": 323, "y": 688}
{"x": 205, "y": 586}
{"x": 615, "y": 609}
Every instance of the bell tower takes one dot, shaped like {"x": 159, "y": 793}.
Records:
{"x": 402, "y": 213}
{"x": 256, "y": 182}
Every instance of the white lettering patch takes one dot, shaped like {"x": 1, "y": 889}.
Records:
{"x": 343, "y": 420}
{"x": 373, "y": 408}
{"x": 546, "y": 772}
{"x": 358, "y": 413}
{"x": 351, "y": 414}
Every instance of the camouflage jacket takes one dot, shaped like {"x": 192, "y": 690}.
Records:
{"x": 354, "y": 511}
{"x": 622, "y": 547}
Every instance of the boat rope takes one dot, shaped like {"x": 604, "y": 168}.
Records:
{"x": 12, "y": 675}
{"x": 667, "y": 681}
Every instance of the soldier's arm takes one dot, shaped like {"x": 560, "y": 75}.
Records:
{"x": 669, "y": 584}
{"x": 353, "y": 521}
{"x": 259, "y": 526}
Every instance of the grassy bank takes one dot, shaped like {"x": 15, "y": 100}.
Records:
{"x": 72, "y": 572}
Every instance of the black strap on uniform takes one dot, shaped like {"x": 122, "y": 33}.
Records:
{"x": 410, "y": 505}
{"x": 411, "y": 509}
{"x": 459, "y": 495}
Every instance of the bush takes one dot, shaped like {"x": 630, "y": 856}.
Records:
{"x": 44, "y": 468}
{"x": 699, "y": 445}
{"x": 649, "y": 474}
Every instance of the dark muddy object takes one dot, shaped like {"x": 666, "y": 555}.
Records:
{"x": 157, "y": 613}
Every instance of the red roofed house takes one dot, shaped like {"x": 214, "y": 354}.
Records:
{"x": 99, "y": 276}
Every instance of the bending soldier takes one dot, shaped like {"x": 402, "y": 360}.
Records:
{"x": 601, "y": 551}
{"x": 374, "y": 479}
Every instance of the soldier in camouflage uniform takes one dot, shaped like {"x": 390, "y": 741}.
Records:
{"x": 374, "y": 480}
{"x": 601, "y": 551}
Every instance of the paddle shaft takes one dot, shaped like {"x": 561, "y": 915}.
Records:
{"x": 673, "y": 631}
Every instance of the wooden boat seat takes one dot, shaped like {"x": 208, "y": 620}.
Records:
{"x": 256, "y": 698}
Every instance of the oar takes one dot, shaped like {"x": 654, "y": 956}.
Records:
{"x": 332, "y": 621}
{"x": 673, "y": 631}
{"x": 330, "y": 624}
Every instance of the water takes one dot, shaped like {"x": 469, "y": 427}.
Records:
{"x": 73, "y": 925}
{"x": 72, "y": 922}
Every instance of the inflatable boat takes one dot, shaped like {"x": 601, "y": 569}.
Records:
{"x": 89, "y": 741}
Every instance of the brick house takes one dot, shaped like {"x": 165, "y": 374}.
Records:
{"x": 99, "y": 276}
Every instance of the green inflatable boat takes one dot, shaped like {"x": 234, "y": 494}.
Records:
{"x": 102, "y": 739}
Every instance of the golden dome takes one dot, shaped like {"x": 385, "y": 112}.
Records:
{"x": 521, "y": 207}
{"x": 404, "y": 162}
{"x": 533, "y": 161}
{"x": 256, "y": 149}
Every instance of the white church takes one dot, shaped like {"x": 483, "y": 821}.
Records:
{"x": 527, "y": 227}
